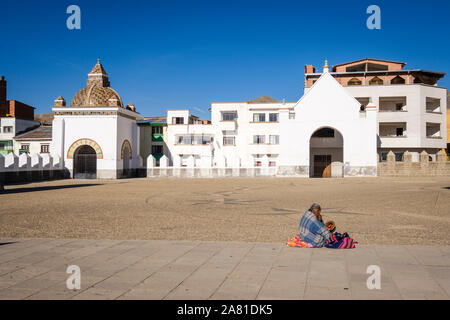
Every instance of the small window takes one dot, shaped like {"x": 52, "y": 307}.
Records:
{"x": 273, "y": 117}
{"x": 7, "y": 129}
{"x": 258, "y": 163}
{"x": 272, "y": 163}
{"x": 384, "y": 156}
{"x": 291, "y": 115}
{"x": 45, "y": 148}
{"x": 25, "y": 147}
{"x": 186, "y": 139}
{"x": 274, "y": 139}
{"x": 398, "y": 156}
{"x": 157, "y": 129}
{"x": 206, "y": 139}
{"x": 157, "y": 149}
{"x": 259, "y": 117}
{"x": 229, "y": 116}
{"x": 177, "y": 120}
{"x": 375, "y": 81}
{"x": 259, "y": 139}
{"x": 398, "y": 80}
{"x": 228, "y": 141}
{"x": 354, "y": 82}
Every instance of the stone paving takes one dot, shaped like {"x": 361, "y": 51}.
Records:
{"x": 160, "y": 269}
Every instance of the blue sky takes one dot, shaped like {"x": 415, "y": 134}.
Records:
{"x": 187, "y": 54}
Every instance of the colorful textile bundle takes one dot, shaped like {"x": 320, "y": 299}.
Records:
{"x": 340, "y": 241}
{"x": 297, "y": 242}
{"x": 337, "y": 241}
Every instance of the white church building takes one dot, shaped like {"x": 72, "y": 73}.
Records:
{"x": 96, "y": 136}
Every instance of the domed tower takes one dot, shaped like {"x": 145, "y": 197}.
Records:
{"x": 96, "y": 136}
{"x": 97, "y": 92}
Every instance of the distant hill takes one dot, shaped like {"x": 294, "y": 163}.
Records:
{"x": 44, "y": 118}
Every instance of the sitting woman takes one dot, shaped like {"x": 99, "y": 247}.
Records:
{"x": 311, "y": 228}
{"x": 314, "y": 234}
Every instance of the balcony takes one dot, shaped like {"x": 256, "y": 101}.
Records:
{"x": 228, "y": 125}
{"x": 433, "y": 105}
{"x": 433, "y": 130}
{"x": 157, "y": 137}
{"x": 392, "y": 104}
{"x": 392, "y": 130}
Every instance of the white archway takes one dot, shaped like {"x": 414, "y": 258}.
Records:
{"x": 326, "y": 145}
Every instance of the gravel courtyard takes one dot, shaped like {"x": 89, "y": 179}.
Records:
{"x": 373, "y": 210}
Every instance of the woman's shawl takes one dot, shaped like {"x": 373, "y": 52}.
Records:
{"x": 312, "y": 230}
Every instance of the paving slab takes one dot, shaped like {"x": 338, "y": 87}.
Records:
{"x": 183, "y": 270}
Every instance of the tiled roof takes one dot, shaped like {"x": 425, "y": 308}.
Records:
{"x": 263, "y": 99}
{"x": 153, "y": 120}
{"x": 41, "y": 133}
{"x": 98, "y": 68}
{"x": 44, "y": 118}
{"x": 369, "y": 59}
{"x": 95, "y": 96}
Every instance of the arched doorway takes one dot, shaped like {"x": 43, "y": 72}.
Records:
{"x": 126, "y": 162}
{"x": 85, "y": 163}
{"x": 326, "y": 145}
{"x": 126, "y": 157}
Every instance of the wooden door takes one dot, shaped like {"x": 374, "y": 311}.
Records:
{"x": 322, "y": 165}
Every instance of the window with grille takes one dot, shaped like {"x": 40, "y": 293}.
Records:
{"x": 273, "y": 117}
{"x": 259, "y": 117}
{"x": 229, "y": 141}
{"x": 259, "y": 139}
{"x": 274, "y": 139}
{"x": 157, "y": 129}
{"x": 177, "y": 120}
{"x": 45, "y": 148}
{"x": 229, "y": 116}
{"x": 157, "y": 149}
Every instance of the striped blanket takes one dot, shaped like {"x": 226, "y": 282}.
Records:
{"x": 340, "y": 241}
{"x": 337, "y": 241}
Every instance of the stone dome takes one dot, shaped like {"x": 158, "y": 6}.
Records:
{"x": 97, "y": 93}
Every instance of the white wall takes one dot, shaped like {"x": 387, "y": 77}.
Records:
{"x": 108, "y": 131}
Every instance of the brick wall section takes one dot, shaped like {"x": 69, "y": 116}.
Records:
{"x": 21, "y": 110}
{"x": 407, "y": 168}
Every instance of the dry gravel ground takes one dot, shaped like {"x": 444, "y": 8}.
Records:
{"x": 372, "y": 210}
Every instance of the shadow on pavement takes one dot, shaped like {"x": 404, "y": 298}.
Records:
{"x": 5, "y": 243}
{"x": 45, "y": 188}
